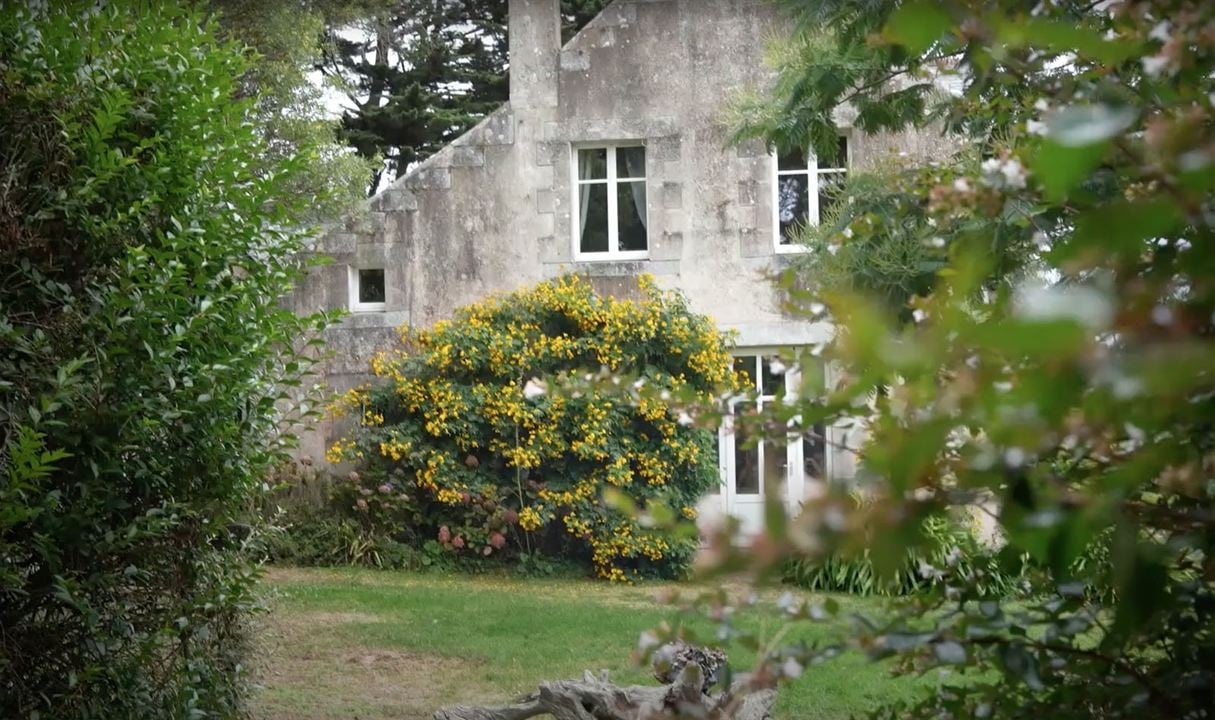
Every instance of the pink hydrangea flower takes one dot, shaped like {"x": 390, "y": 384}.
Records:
{"x": 444, "y": 534}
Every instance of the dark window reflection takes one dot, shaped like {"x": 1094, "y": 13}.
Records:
{"x": 592, "y": 164}
{"x": 371, "y": 286}
{"x": 630, "y": 206}
{"x": 814, "y": 453}
{"x": 828, "y": 191}
{"x": 746, "y": 457}
{"x": 793, "y": 205}
{"x": 630, "y": 163}
{"x": 594, "y": 218}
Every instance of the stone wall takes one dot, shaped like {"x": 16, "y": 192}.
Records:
{"x": 492, "y": 212}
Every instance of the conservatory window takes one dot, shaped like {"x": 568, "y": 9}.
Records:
{"x": 610, "y": 220}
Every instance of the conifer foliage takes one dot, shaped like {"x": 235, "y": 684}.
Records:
{"x": 418, "y": 73}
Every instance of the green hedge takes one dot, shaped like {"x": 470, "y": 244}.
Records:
{"x": 144, "y": 249}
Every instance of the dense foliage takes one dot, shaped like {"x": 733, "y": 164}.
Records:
{"x": 461, "y": 446}
{"x": 947, "y": 542}
{"x": 145, "y": 244}
{"x": 1081, "y": 402}
{"x": 284, "y": 41}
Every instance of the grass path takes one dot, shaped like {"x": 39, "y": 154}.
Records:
{"x": 373, "y": 645}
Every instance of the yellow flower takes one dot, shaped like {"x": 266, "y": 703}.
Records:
{"x": 530, "y": 520}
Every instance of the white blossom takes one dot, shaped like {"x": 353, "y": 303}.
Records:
{"x": 534, "y": 389}
{"x": 1155, "y": 65}
{"x": 1001, "y": 174}
{"x": 1161, "y": 31}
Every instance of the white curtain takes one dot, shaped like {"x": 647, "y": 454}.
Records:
{"x": 635, "y": 165}
{"x": 584, "y": 193}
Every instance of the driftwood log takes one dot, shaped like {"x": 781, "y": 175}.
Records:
{"x": 595, "y": 698}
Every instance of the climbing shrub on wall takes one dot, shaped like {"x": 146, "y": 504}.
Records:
{"x": 460, "y": 445}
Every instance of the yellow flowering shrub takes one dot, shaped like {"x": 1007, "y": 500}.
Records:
{"x": 460, "y": 423}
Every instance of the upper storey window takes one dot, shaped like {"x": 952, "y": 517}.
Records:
{"x": 610, "y": 220}
{"x": 806, "y": 185}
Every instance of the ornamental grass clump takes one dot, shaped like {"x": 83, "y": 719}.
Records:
{"x": 460, "y": 444}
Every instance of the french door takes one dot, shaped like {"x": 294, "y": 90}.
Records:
{"x": 752, "y": 468}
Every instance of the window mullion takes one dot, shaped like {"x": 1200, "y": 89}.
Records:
{"x": 812, "y": 187}
{"x": 613, "y": 220}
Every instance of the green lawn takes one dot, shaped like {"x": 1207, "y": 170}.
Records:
{"x": 364, "y": 644}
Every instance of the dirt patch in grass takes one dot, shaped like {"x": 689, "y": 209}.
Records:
{"x": 310, "y": 668}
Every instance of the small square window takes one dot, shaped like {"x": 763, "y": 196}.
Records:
{"x": 368, "y": 290}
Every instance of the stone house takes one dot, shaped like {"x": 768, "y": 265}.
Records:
{"x": 611, "y": 159}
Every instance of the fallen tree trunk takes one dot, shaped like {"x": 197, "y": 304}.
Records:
{"x": 595, "y": 698}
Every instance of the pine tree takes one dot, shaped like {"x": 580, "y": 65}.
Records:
{"x": 418, "y": 73}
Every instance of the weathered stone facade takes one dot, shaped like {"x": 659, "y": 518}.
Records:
{"x": 493, "y": 211}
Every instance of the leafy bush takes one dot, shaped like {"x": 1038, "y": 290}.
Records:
{"x": 303, "y": 526}
{"x": 461, "y": 445}
{"x": 1082, "y": 400}
{"x": 144, "y": 249}
{"x": 317, "y": 538}
{"x": 947, "y": 546}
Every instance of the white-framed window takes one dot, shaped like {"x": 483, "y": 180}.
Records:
{"x": 803, "y": 188}
{"x": 610, "y": 219}
{"x": 368, "y": 289}
{"x": 768, "y": 461}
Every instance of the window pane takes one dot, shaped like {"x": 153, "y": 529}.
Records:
{"x": 746, "y": 366}
{"x": 371, "y": 286}
{"x": 812, "y": 380}
{"x": 592, "y": 164}
{"x": 746, "y": 457}
{"x": 814, "y": 453}
{"x": 772, "y": 383}
{"x": 593, "y": 216}
{"x": 840, "y": 159}
{"x": 776, "y": 466}
{"x": 793, "y": 204}
{"x": 828, "y": 192}
{"x": 630, "y": 162}
{"x": 792, "y": 161}
{"x": 630, "y": 205}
